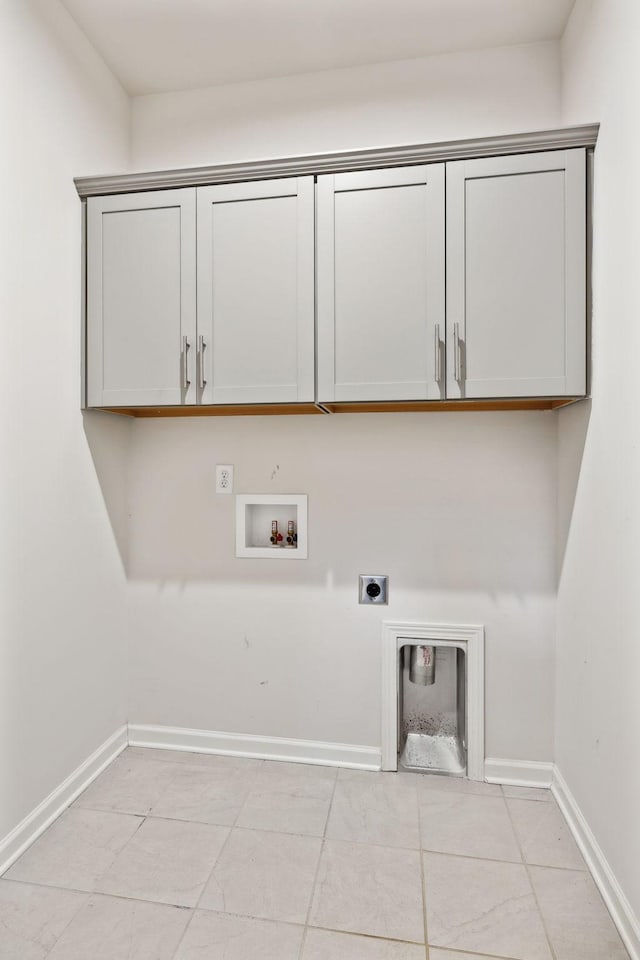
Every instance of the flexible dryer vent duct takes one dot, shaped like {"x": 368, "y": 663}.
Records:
{"x": 422, "y": 665}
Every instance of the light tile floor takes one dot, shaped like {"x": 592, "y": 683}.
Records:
{"x": 182, "y": 856}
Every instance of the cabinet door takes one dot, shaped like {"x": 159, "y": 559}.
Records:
{"x": 516, "y": 276}
{"x": 141, "y": 306}
{"x": 381, "y": 284}
{"x": 256, "y": 292}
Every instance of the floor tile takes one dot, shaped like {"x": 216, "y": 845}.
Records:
{"x": 129, "y": 785}
{"x": 216, "y": 936}
{"x": 265, "y": 875}
{"x": 528, "y": 793}
{"x": 289, "y": 798}
{"x": 284, "y": 812}
{"x": 76, "y": 849}
{"x": 213, "y": 794}
{"x": 577, "y": 920}
{"x": 483, "y": 906}
{"x": 302, "y": 775}
{"x": 108, "y": 928}
{"x": 193, "y": 759}
{"x": 467, "y": 825}
{"x": 399, "y": 778}
{"x": 167, "y": 861}
{"x": 369, "y": 889}
{"x": 375, "y": 812}
{"x": 326, "y": 945}
{"x": 240, "y": 842}
{"x": 544, "y": 835}
{"x": 431, "y": 781}
{"x": 32, "y": 918}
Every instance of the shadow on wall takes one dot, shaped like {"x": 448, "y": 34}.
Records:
{"x": 109, "y": 438}
{"x": 573, "y": 428}
{"x": 452, "y": 501}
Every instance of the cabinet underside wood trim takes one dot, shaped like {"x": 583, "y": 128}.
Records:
{"x": 564, "y": 138}
{"x": 218, "y": 410}
{"x": 450, "y": 406}
{"x": 407, "y": 406}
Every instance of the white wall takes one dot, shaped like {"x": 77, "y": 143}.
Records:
{"x": 61, "y": 634}
{"x": 471, "y": 94}
{"x": 598, "y": 660}
{"x": 459, "y": 510}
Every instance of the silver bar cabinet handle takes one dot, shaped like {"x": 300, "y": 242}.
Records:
{"x": 457, "y": 371}
{"x": 185, "y": 367}
{"x": 201, "y": 348}
{"x": 438, "y": 356}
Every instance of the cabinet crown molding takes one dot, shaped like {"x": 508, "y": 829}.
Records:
{"x": 563, "y": 138}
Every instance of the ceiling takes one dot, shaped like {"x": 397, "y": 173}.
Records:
{"x": 155, "y": 46}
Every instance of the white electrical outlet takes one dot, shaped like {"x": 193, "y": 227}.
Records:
{"x": 224, "y": 478}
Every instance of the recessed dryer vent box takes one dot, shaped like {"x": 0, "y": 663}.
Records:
{"x": 255, "y": 515}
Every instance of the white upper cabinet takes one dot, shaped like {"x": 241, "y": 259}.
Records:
{"x": 256, "y": 292}
{"x": 439, "y": 281}
{"x": 516, "y": 276}
{"x": 381, "y": 284}
{"x": 141, "y": 305}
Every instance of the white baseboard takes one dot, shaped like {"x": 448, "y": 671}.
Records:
{"x": 16, "y": 842}
{"x": 518, "y": 773}
{"x": 617, "y": 904}
{"x": 262, "y": 748}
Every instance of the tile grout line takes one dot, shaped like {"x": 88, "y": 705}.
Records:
{"x": 150, "y": 815}
{"x": 412, "y": 850}
{"x": 111, "y": 896}
{"x": 87, "y": 894}
{"x": 423, "y": 880}
{"x": 481, "y": 956}
{"x": 205, "y": 884}
{"x": 371, "y": 936}
{"x": 196, "y": 906}
{"x": 192, "y": 913}
{"x": 517, "y": 796}
{"x": 230, "y": 828}
{"x": 528, "y": 873}
{"x": 93, "y": 893}
{"x": 74, "y": 917}
{"x": 139, "y": 900}
{"x": 363, "y": 843}
{"x": 317, "y": 870}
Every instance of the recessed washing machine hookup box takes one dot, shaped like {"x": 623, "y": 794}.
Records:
{"x": 271, "y": 526}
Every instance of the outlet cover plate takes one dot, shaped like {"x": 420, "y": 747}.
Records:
{"x": 368, "y": 592}
{"x": 224, "y": 478}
